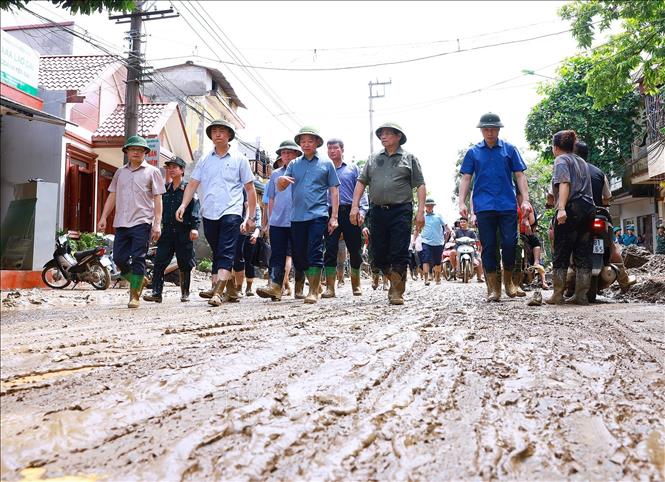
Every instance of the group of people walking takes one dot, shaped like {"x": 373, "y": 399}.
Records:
{"x": 313, "y": 200}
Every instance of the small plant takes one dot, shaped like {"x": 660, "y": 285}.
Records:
{"x": 205, "y": 265}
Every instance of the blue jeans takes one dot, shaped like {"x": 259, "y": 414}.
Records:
{"x": 222, "y": 236}
{"x": 130, "y": 247}
{"x": 505, "y": 222}
{"x": 307, "y": 243}
{"x": 280, "y": 244}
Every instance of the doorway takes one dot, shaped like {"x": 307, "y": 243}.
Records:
{"x": 79, "y": 190}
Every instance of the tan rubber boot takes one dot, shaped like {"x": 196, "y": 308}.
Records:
{"x": 518, "y": 276}
{"x": 624, "y": 279}
{"x": 248, "y": 288}
{"x": 134, "y": 298}
{"x": 330, "y": 286}
{"x": 216, "y": 298}
{"x": 437, "y": 274}
{"x": 300, "y": 286}
{"x": 231, "y": 295}
{"x": 493, "y": 286}
{"x": 207, "y": 294}
{"x": 559, "y": 286}
{"x": 314, "y": 280}
{"x": 375, "y": 280}
{"x": 274, "y": 292}
{"x": 582, "y": 285}
{"x": 569, "y": 286}
{"x": 397, "y": 286}
{"x": 355, "y": 282}
{"x": 508, "y": 284}
{"x": 136, "y": 285}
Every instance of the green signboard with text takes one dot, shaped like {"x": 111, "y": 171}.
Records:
{"x": 19, "y": 65}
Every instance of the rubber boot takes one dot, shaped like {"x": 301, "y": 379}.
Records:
{"x": 157, "y": 288}
{"x": 314, "y": 279}
{"x": 493, "y": 286}
{"x": 569, "y": 288}
{"x": 426, "y": 276}
{"x": 330, "y": 283}
{"x": 508, "y": 283}
{"x": 518, "y": 276}
{"x": 207, "y": 294}
{"x": 286, "y": 289}
{"x": 558, "y": 285}
{"x": 340, "y": 279}
{"x": 582, "y": 285}
{"x": 624, "y": 279}
{"x": 248, "y": 289}
{"x": 397, "y": 286}
{"x": 218, "y": 289}
{"x": 231, "y": 294}
{"x": 355, "y": 282}
{"x": 135, "y": 288}
{"x": 274, "y": 291}
{"x": 300, "y": 285}
{"x": 437, "y": 274}
{"x": 185, "y": 281}
{"x": 375, "y": 281}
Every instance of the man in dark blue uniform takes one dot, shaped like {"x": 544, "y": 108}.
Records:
{"x": 177, "y": 237}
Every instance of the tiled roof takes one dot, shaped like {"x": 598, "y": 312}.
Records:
{"x": 72, "y": 72}
{"x": 148, "y": 114}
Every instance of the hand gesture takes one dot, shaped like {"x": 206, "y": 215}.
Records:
{"x": 284, "y": 181}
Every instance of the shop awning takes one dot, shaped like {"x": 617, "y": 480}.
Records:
{"x": 10, "y": 107}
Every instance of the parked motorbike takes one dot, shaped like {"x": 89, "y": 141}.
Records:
{"x": 446, "y": 264}
{"x": 114, "y": 272}
{"x": 466, "y": 250}
{"x": 171, "y": 273}
{"x": 89, "y": 265}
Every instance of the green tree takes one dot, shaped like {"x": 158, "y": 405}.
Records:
{"x": 608, "y": 131}
{"x": 458, "y": 164}
{"x": 638, "y": 49}
{"x": 83, "y": 7}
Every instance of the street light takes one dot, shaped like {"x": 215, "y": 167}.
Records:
{"x": 533, "y": 72}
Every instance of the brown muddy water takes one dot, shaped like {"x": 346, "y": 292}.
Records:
{"x": 444, "y": 387}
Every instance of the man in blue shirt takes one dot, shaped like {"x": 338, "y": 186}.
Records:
{"x": 279, "y": 213}
{"x": 348, "y": 175}
{"x": 492, "y": 163}
{"x": 311, "y": 178}
{"x": 432, "y": 238}
{"x": 629, "y": 238}
{"x": 220, "y": 177}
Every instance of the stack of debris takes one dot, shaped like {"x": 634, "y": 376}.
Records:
{"x": 650, "y": 272}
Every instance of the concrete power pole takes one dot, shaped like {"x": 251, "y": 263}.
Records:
{"x": 372, "y": 95}
{"x": 135, "y": 68}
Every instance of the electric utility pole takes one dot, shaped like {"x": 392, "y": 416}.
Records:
{"x": 136, "y": 72}
{"x": 372, "y": 95}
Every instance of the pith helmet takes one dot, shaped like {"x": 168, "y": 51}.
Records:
{"x": 430, "y": 200}
{"x": 177, "y": 161}
{"x": 275, "y": 165}
{"x": 312, "y": 132}
{"x": 290, "y": 145}
{"x": 223, "y": 123}
{"x": 392, "y": 125}
{"x": 136, "y": 141}
{"x": 489, "y": 120}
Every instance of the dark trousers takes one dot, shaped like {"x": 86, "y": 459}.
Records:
{"x": 352, "y": 239}
{"x": 130, "y": 248}
{"x": 174, "y": 240}
{"x": 307, "y": 243}
{"x": 280, "y": 244}
{"x": 390, "y": 231}
{"x": 574, "y": 236}
{"x": 222, "y": 236}
{"x": 244, "y": 255}
{"x": 495, "y": 226}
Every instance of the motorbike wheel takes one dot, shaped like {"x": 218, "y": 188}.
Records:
{"x": 53, "y": 277}
{"x": 466, "y": 271}
{"x": 593, "y": 290}
{"x": 102, "y": 273}
{"x": 447, "y": 270}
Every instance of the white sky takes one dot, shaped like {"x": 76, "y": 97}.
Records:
{"x": 423, "y": 97}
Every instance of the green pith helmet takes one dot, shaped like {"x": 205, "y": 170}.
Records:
{"x": 430, "y": 200}
{"x": 290, "y": 145}
{"x": 275, "y": 165}
{"x": 223, "y": 123}
{"x": 177, "y": 161}
{"x": 489, "y": 120}
{"x": 136, "y": 141}
{"x": 311, "y": 131}
{"x": 392, "y": 125}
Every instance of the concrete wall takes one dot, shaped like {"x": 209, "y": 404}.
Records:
{"x": 636, "y": 207}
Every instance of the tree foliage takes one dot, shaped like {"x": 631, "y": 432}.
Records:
{"x": 608, "y": 131}
{"x": 638, "y": 49}
{"x": 83, "y": 7}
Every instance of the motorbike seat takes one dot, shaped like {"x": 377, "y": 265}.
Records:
{"x": 79, "y": 255}
{"x": 601, "y": 211}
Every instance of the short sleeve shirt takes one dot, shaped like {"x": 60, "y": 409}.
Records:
{"x": 392, "y": 178}
{"x": 432, "y": 234}
{"x": 280, "y": 216}
{"x": 600, "y": 186}
{"x": 310, "y": 189}
{"x": 222, "y": 181}
{"x": 492, "y": 170}
{"x": 135, "y": 190}
{"x": 572, "y": 169}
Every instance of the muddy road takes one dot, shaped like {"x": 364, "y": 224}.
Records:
{"x": 445, "y": 387}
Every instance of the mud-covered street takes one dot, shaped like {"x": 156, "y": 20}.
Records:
{"x": 445, "y": 387}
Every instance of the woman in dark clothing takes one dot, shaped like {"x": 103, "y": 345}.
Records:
{"x": 575, "y": 209}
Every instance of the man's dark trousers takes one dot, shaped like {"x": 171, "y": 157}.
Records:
{"x": 352, "y": 238}
{"x": 130, "y": 248}
{"x": 174, "y": 239}
{"x": 390, "y": 228}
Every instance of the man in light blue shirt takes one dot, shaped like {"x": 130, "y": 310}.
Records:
{"x": 432, "y": 238}
{"x": 279, "y": 213}
{"x": 312, "y": 177}
{"x": 220, "y": 178}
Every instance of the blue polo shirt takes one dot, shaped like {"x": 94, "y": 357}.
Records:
{"x": 492, "y": 170}
{"x": 280, "y": 216}
{"x": 312, "y": 180}
{"x": 432, "y": 233}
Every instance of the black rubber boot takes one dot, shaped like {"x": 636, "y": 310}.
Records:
{"x": 157, "y": 288}
{"x": 185, "y": 281}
